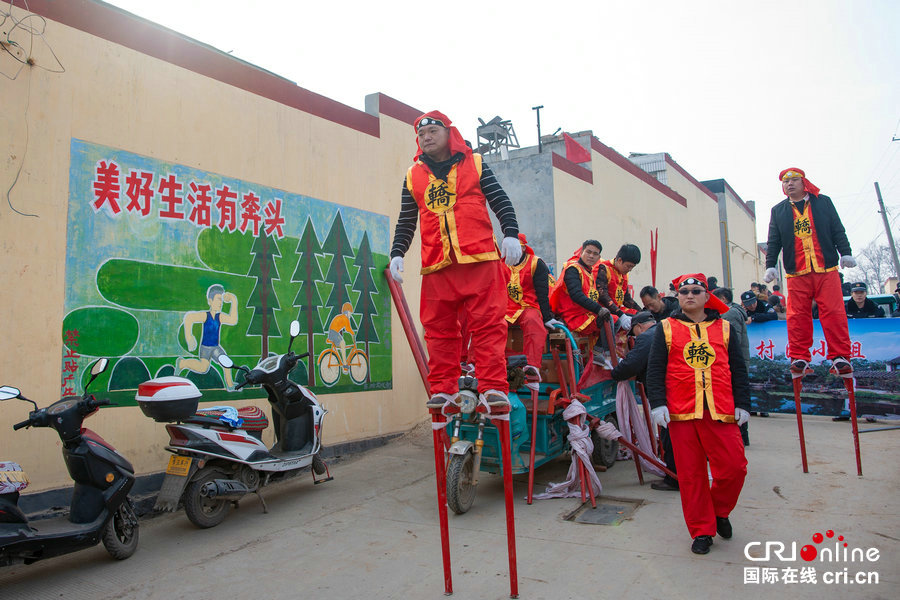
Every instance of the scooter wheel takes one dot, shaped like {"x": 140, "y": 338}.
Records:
{"x": 120, "y": 537}
{"x": 460, "y": 491}
{"x": 205, "y": 512}
{"x": 318, "y": 465}
{"x": 605, "y": 451}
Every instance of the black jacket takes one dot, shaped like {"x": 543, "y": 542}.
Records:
{"x": 635, "y": 362}
{"x": 761, "y": 313}
{"x": 828, "y": 230}
{"x": 869, "y": 309}
{"x": 658, "y": 363}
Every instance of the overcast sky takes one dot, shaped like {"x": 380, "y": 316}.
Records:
{"x": 731, "y": 89}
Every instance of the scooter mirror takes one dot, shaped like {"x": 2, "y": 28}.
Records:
{"x": 295, "y": 328}
{"x": 226, "y": 361}
{"x": 8, "y": 392}
{"x": 99, "y": 366}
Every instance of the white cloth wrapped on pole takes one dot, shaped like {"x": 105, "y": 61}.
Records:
{"x": 632, "y": 418}
{"x": 582, "y": 447}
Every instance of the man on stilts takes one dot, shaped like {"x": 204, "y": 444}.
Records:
{"x": 806, "y": 229}
{"x": 448, "y": 188}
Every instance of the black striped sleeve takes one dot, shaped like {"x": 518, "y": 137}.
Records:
{"x": 406, "y": 223}
{"x": 499, "y": 202}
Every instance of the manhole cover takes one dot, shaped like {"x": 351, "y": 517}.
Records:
{"x": 609, "y": 511}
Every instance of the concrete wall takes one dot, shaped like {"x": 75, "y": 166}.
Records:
{"x": 126, "y": 98}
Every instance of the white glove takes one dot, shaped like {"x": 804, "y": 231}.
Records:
{"x": 660, "y": 416}
{"x": 770, "y": 275}
{"x": 552, "y": 323}
{"x": 848, "y": 262}
{"x": 741, "y": 416}
{"x": 397, "y": 268}
{"x": 625, "y": 322}
{"x": 511, "y": 251}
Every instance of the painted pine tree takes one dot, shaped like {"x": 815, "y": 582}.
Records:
{"x": 308, "y": 300}
{"x": 262, "y": 299}
{"x": 338, "y": 246}
{"x": 365, "y": 305}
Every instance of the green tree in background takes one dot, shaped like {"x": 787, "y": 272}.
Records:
{"x": 365, "y": 305}
{"x": 307, "y": 300}
{"x": 262, "y": 299}
{"x": 338, "y": 245}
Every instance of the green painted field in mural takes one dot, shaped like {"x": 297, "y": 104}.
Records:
{"x": 101, "y": 331}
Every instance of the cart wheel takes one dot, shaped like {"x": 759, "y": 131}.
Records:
{"x": 460, "y": 491}
{"x": 605, "y": 451}
{"x": 201, "y": 511}
{"x": 120, "y": 537}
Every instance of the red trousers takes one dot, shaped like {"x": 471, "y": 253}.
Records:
{"x": 695, "y": 442}
{"x": 534, "y": 334}
{"x": 825, "y": 289}
{"x": 476, "y": 291}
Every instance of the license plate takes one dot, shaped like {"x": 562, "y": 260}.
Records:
{"x": 179, "y": 465}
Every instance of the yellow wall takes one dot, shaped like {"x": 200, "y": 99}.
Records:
{"x": 115, "y": 96}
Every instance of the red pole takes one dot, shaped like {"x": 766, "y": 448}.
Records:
{"x": 798, "y": 387}
{"x": 848, "y": 383}
{"x": 646, "y": 456}
{"x": 415, "y": 344}
{"x": 645, "y": 403}
{"x": 441, "y": 477}
{"x": 505, "y": 448}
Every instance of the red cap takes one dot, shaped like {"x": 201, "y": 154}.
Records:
{"x": 457, "y": 143}
{"x": 700, "y": 279}
{"x": 808, "y": 187}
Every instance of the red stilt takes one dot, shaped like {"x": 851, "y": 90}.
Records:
{"x": 534, "y": 421}
{"x": 651, "y": 431}
{"x": 848, "y": 383}
{"x": 441, "y": 477}
{"x": 637, "y": 461}
{"x": 503, "y": 428}
{"x": 647, "y": 457}
{"x": 798, "y": 386}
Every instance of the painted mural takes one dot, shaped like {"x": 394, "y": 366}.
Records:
{"x": 875, "y": 350}
{"x": 169, "y": 267}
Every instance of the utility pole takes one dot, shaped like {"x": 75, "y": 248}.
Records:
{"x": 887, "y": 230}
{"x": 538, "y": 109}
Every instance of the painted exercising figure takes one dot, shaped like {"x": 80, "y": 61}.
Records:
{"x": 336, "y": 328}
{"x": 211, "y": 321}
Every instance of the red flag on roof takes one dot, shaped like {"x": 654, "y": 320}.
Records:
{"x": 575, "y": 152}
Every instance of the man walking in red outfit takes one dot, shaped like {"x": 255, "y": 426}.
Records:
{"x": 806, "y": 228}
{"x": 698, "y": 387}
{"x": 448, "y": 188}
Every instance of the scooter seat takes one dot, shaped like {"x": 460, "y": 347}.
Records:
{"x": 254, "y": 418}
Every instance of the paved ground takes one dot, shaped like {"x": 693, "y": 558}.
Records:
{"x": 372, "y": 533}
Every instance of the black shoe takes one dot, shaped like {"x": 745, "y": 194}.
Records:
{"x": 746, "y": 443}
{"x": 764, "y": 414}
{"x": 664, "y": 485}
{"x": 701, "y": 544}
{"x": 723, "y": 527}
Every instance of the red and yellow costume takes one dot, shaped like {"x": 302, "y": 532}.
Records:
{"x": 697, "y": 371}
{"x": 577, "y": 318}
{"x": 811, "y": 272}
{"x": 522, "y": 306}
{"x": 617, "y": 285}
{"x": 462, "y": 273}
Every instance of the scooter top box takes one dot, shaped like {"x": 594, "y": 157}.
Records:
{"x": 167, "y": 399}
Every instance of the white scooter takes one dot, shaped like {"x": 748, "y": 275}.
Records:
{"x": 215, "y": 463}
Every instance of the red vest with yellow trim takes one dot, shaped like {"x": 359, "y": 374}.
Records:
{"x": 808, "y": 255}
{"x": 520, "y": 287}
{"x": 574, "y": 315}
{"x": 618, "y": 284}
{"x": 443, "y": 206}
{"x": 698, "y": 375}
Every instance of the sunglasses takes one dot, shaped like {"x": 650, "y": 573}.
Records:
{"x": 694, "y": 291}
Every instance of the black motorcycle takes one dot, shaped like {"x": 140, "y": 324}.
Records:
{"x": 100, "y": 508}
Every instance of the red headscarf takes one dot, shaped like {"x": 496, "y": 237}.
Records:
{"x": 700, "y": 279}
{"x": 457, "y": 143}
{"x": 525, "y": 247}
{"x": 808, "y": 187}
